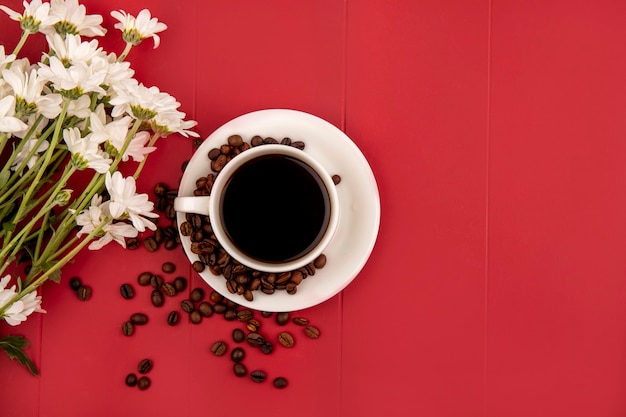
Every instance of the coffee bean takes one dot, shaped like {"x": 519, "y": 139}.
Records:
{"x": 143, "y": 383}
{"x": 266, "y": 314}
{"x": 186, "y": 229}
{"x": 253, "y": 325}
{"x": 215, "y": 296}
{"x": 298, "y": 144}
{"x": 282, "y": 318}
{"x": 139, "y": 319}
{"x": 144, "y": 278}
{"x": 219, "y": 308}
{"x": 156, "y": 281}
{"x": 230, "y": 315}
{"x": 285, "y": 339}
{"x": 127, "y": 328}
{"x": 205, "y": 309}
{"x": 157, "y": 298}
{"x": 172, "y": 318}
{"x": 257, "y": 376}
{"x": 270, "y": 141}
{"x": 180, "y": 284}
{"x": 159, "y": 236}
{"x": 160, "y": 189}
{"x": 144, "y": 366}
{"x": 280, "y": 382}
{"x": 84, "y": 293}
{"x": 198, "y": 266}
{"x": 301, "y": 321}
{"x": 218, "y": 164}
{"x": 213, "y": 154}
{"x": 320, "y": 261}
{"x": 195, "y": 317}
{"x": 336, "y": 179}
{"x": 170, "y": 244}
{"x": 127, "y": 291}
{"x": 247, "y": 294}
{"x": 256, "y": 141}
{"x": 312, "y": 332}
{"x": 75, "y": 283}
{"x": 131, "y": 380}
{"x": 255, "y": 339}
{"x": 235, "y": 140}
{"x": 285, "y": 141}
{"x": 170, "y": 213}
{"x": 239, "y": 369}
{"x": 219, "y": 348}
{"x": 150, "y": 244}
{"x": 168, "y": 267}
{"x": 244, "y": 315}
{"x": 238, "y": 335}
{"x": 267, "y": 348}
{"x": 168, "y": 289}
{"x": 197, "y": 294}
{"x": 132, "y": 243}
{"x": 237, "y": 354}
{"x": 187, "y": 306}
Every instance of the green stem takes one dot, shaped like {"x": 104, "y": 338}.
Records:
{"x": 19, "y": 45}
{"x": 125, "y": 52}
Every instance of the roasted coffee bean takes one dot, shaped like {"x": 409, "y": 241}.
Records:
{"x": 197, "y": 294}
{"x": 244, "y": 315}
{"x": 180, "y": 283}
{"x": 256, "y": 141}
{"x": 143, "y": 383}
{"x": 230, "y": 315}
{"x": 285, "y": 339}
{"x": 312, "y": 332}
{"x": 280, "y": 382}
{"x": 160, "y": 189}
{"x": 285, "y": 141}
{"x": 298, "y": 144}
{"x": 270, "y": 141}
{"x": 132, "y": 243}
{"x": 219, "y": 308}
{"x": 239, "y": 369}
{"x": 172, "y": 318}
{"x": 255, "y": 284}
{"x": 170, "y": 244}
{"x": 253, "y": 325}
{"x": 128, "y": 329}
{"x": 225, "y": 149}
{"x": 296, "y": 277}
{"x": 168, "y": 289}
{"x": 144, "y": 366}
{"x": 84, "y": 293}
{"x": 139, "y": 319}
{"x": 186, "y": 229}
{"x": 170, "y": 213}
{"x": 198, "y": 266}
{"x": 336, "y": 179}
{"x": 144, "y": 278}
{"x": 320, "y": 261}
{"x": 215, "y": 297}
{"x": 291, "y": 288}
{"x": 283, "y": 277}
{"x": 255, "y": 339}
{"x": 257, "y": 376}
{"x": 75, "y": 283}
{"x": 187, "y": 306}
{"x": 205, "y": 309}
{"x": 131, "y": 380}
{"x": 159, "y": 236}
{"x": 247, "y": 294}
{"x": 219, "y": 348}
{"x": 231, "y": 286}
{"x": 214, "y": 153}
{"x": 266, "y": 314}
{"x": 157, "y": 298}
{"x": 301, "y": 321}
{"x": 127, "y": 291}
{"x": 267, "y": 348}
{"x": 150, "y": 244}
{"x": 160, "y": 204}
{"x": 235, "y": 140}
{"x": 231, "y": 304}
{"x": 238, "y": 335}
{"x": 195, "y": 317}
{"x": 237, "y": 354}
{"x": 156, "y": 281}
{"x": 282, "y": 318}
{"x": 218, "y": 164}
{"x": 168, "y": 267}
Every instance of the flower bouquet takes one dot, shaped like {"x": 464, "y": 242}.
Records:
{"x": 67, "y": 125}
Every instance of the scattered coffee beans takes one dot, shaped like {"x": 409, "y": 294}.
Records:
{"x": 144, "y": 278}
{"x": 139, "y": 319}
{"x": 257, "y": 376}
{"x": 280, "y": 382}
{"x": 144, "y": 383}
{"x": 301, "y": 321}
{"x": 156, "y": 281}
{"x": 168, "y": 267}
{"x": 172, "y": 318}
{"x": 128, "y": 329}
{"x": 219, "y": 348}
{"x": 312, "y": 332}
{"x": 255, "y": 339}
{"x": 131, "y": 380}
{"x": 197, "y": 265}
{"x": 127, "y": 291}
{"x": 197, "y": 294}
{"x": 180, "y": 284}
{"x": 157, "y": 298}
{"x": 239, "y": 369}
{"x": 144, "y": 366}
{"x": 195, "y": 317}
{"x": 187, "y": 306}
{"x": 168, "y": 289}
{"x": 205, "y": 309}
{"x": 267, "y": 348}
{"x": 336, "y": 179}
{"x": 75, "y": 283}
{"x": 238, "y": 335}
{"x": 84, "y": 293}
{"x": 282, "y": 318}
{"x": 237, "y": 354}
{"x": 285, "y": 339}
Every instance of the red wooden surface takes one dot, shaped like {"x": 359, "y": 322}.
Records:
{"x": 497, "y": 135}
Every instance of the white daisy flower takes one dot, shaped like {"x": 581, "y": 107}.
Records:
{"x": 80, "y": 107}
{"x": 9, "y": 123}
{"x": 173, "y": 122}
{"x": 36, "y": 16}
{"x": 4, "y": 58}
{"x": 134, "y": 30}
{"x": 26, "y": 150}
{"x": 85, "y": 153}
{"x": 125, "y": 200}
{"x": 90, "y": 219}
{"x": 115, "y": 72}
{"x": 28, "y": 88}
{"x": 74, "y": 81}
{"x": 21, "y": 309}
{"x": 72, "y": 19}
{"x": 113, "y": 135}
{"x": 72, "y": 49}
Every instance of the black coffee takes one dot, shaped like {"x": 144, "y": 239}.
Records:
{"x": 275, "y": 208}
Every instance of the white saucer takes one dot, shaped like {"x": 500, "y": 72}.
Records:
{"x": 358, "y": 197}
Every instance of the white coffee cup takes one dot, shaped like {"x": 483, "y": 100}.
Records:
{"x": 212, "y": 206}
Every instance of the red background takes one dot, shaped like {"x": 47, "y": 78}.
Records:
{"x": 497, "y": 134}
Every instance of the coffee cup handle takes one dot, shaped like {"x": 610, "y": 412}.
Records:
{"x": 196, "y": 204}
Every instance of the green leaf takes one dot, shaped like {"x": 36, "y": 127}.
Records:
{"x": 14, "y": 347}
{"x": 8, "y": 226}
{"x": 55, "y": 276}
